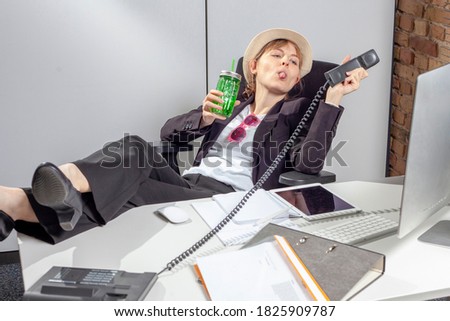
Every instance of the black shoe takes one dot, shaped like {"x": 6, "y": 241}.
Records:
{"x": 53, "y": 189}
{"x": 6, "y": 225}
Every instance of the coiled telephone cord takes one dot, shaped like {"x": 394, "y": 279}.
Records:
{"x": 190, "y": 251}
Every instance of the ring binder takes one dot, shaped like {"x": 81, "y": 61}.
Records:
{"x": 341, "y": 270}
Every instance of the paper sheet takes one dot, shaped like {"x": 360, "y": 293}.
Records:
{"x": 232, "y": 233}
{"x": 260, "y": 208}
{"x": 255, "y": 273}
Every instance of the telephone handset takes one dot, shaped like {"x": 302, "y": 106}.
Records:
{"x": 366, "y": 60}
{"x": 333, "y": 77}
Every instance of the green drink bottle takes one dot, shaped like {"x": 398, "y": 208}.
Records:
{"x": 228, "y": 83}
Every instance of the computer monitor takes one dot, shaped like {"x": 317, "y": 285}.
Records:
{"x": 427, "y": 179}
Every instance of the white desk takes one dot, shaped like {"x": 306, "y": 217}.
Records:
{"x": 140, "y": 241}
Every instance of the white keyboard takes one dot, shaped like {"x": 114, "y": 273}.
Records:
{"x": 359, "y": 229}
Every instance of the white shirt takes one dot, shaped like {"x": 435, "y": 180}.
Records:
{"x": 230, "y": 162}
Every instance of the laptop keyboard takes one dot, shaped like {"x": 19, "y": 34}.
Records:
{"x": 359, "y": 229}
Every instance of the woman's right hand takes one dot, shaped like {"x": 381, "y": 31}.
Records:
{"x": 208, "y": 117}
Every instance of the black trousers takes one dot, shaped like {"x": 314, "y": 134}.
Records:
{"x": 122, "y": 175}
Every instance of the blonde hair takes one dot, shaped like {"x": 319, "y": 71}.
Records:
{"x": 274, "y": 44}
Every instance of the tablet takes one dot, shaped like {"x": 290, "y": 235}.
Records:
{"x": 314, "y": 202}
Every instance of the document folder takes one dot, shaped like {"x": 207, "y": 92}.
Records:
{"x": 341, "y": 270}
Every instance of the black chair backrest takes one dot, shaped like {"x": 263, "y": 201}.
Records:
{"x": 307, "y": 87}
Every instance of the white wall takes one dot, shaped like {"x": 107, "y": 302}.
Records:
{"x": 77, "y": 74}
{"x": 334, "y": 29}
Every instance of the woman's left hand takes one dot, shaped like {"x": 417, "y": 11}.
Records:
{"x": 350, "y": 84}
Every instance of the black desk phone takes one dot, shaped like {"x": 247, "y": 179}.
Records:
{"x": 83, "y": 284}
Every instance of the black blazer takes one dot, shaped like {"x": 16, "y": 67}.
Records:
{"x": 307, "y": 154}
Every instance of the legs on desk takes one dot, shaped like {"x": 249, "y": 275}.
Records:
{"x": 124, "y": 174}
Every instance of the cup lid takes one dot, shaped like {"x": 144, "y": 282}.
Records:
{"x": 231, "y": 74}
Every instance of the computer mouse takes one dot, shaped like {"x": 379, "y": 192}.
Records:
{"x": 174, "y": 214}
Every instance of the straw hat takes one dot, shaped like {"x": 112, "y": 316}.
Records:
{"x": 263, "y": 38}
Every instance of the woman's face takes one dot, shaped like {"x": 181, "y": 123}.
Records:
{"x": 277, "y": 70}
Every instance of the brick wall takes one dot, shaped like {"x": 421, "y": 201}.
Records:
{"x": 421, "y": 43}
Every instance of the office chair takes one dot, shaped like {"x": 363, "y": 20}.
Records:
{"x": 307, "y": 87}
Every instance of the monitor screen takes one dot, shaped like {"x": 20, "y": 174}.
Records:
{"x": 427, "y": 179}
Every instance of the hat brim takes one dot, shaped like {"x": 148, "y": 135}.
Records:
{"x": 263, "y": 38}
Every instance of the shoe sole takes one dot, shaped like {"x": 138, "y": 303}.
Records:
{"x": 49, "y": 189}
{"x": 45, "y": 180}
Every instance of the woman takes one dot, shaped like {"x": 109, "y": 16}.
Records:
{"x": 234, "y": 154}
